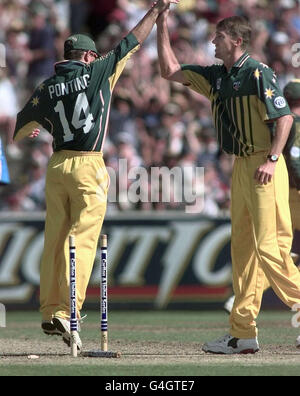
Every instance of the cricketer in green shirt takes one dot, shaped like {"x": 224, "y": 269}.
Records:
{"x": 244, "y": 101}
{"x": 74, "y": 104}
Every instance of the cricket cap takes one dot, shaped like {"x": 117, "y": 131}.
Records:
{"x": 292, "y": 90}
{"x": 80, "y": 42}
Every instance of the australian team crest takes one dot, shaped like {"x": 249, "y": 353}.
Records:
{"x": 236, "y": 85}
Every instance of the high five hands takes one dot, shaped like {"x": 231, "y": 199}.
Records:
{"x": 162, "y": 5}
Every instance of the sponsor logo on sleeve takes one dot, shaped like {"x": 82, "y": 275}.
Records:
{"x": 279, "y": 102}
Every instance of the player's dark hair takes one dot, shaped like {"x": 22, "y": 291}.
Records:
{"x": 237, "y": 26}
{"x": 70, "y": 53}
{"x": 74, "y": 54}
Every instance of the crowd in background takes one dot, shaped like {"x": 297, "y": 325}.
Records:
{"x": 153, "y": 123}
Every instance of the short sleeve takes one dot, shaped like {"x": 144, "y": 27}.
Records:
{"x": 112, "y": 64}
{"x": 274, "y": 105}
{"x": 199, "y": 78}
{"x": 31, "y": 116}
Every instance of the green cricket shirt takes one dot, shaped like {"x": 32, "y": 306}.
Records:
{"x": 74, "y": 104}
{"x": 243, "y": 100}
{"x": 292, "y": 154}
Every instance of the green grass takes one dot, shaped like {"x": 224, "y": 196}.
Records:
{"x": 152, "y": 344}
{"x": 188, "y": 370}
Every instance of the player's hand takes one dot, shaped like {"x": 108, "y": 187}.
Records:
{"x": 265, "y": 173}
{"x": 34, "y": 133}
{"x": 163, "y": 16}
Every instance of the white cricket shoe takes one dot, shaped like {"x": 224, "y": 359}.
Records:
{"x": 229, "y": 345}
{"x": 63, "y": 325}
{"x": 298, "y": 343}
{"x": 229, "y": 304}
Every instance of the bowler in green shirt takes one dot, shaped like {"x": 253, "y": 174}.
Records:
{"x": 246, "y": 101}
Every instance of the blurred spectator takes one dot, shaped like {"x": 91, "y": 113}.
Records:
{"x": 78, "y": 14}
{"x": 122, "y": 118}
{"x": 40, "y": 53}
{"x": 174, "y": 131}
{"x": 8, "y": 112}
{"x": 15, "y": 43}
{"x": 99, "y": 15}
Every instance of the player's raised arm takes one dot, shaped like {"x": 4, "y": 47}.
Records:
{"x": 169, "y": 65}
{"x": 144, "y": 27}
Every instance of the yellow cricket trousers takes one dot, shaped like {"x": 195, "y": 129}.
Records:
{"x": 261, "y": 242}
{"x": 295, "y": 213}
{"x": 76, "y": 198}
